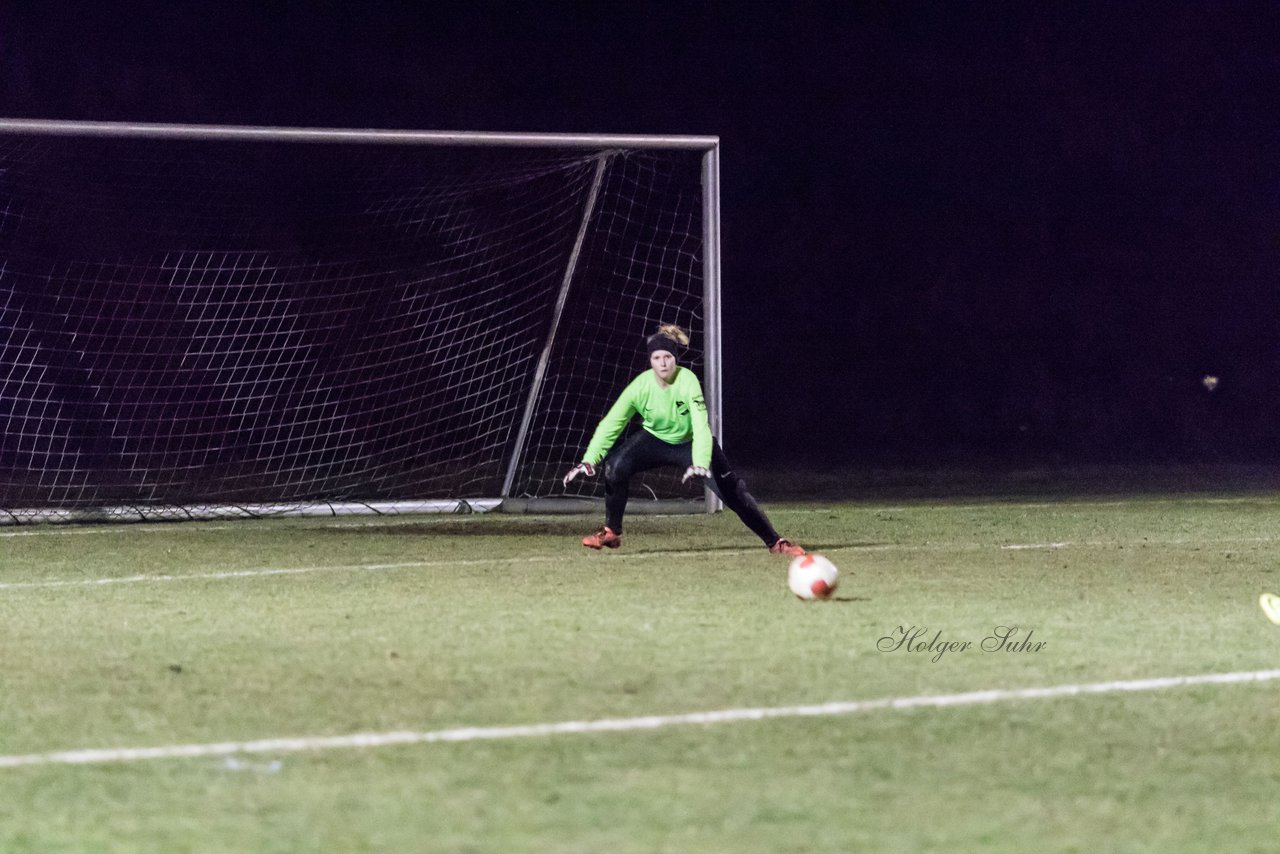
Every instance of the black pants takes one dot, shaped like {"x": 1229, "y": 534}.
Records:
{"x": 643, "y": 451}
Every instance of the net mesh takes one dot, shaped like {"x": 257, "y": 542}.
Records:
{"x": 203, "y": 323}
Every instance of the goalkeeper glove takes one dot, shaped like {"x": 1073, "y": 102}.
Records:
{"x": 581, "y": 468}
{"x": 694, "y": 471}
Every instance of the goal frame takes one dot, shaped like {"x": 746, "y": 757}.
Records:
{"x": 711, "y": 335}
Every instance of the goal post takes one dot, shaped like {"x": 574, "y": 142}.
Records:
{"x": 207, "y": 321}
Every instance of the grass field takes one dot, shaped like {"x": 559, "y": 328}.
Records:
{"x": 191, "y": 638}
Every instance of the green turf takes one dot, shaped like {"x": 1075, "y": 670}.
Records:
{"x": 505, "y": 620}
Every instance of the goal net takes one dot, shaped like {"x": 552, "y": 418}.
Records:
{"x": 197, "y": 321}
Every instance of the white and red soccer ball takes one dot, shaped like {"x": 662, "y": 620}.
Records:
{"x": 812, "y": 577}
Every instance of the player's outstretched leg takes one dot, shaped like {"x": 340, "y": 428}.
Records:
{"x": 604, "y": 538}
{"x": 733, "y": 492}
{"x": 783, "y": 546}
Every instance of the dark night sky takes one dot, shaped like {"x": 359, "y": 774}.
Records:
{"x": 1010, "y": 231}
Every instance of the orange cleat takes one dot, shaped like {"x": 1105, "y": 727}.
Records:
{"x": 785, "y": 547}
{"x": 604, "y": 538}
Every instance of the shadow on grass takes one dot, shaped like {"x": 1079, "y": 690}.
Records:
{"x": 518, "y": 526}
{"x": 648, "y": 539}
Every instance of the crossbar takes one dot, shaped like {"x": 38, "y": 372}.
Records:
{"x": 368, "y": 135}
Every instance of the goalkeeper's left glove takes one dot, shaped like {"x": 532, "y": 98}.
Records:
{"x": 694, "y": 471}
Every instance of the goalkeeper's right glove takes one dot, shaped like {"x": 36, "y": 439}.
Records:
{"x": 581, "y": 468}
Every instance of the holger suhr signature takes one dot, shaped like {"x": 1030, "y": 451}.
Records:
{"x": 918, "y": 639}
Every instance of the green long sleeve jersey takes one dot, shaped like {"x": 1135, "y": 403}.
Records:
{"x": 674, "y": 414}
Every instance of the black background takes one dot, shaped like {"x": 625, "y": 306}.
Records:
{"x": 950, "y": 231}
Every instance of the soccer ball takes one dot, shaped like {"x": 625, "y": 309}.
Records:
{"x": 812, "y": 577}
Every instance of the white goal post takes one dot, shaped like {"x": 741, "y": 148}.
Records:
{"x": 203, "y": 321}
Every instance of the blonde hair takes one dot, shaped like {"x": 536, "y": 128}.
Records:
{"x": 675, "y": 333}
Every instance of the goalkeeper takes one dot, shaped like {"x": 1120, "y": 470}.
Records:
{"x": 676, "y": 433}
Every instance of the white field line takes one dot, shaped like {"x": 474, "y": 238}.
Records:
{"x": 990, "y": 503}
{"x": 267, "y": 572}
{"x": 1065, "y": 544}
{"x": 230, "y": 574}
{"x": 653, "y": 722}
{"x": 1183, "y": 541}
{"x": 122, "y": 528}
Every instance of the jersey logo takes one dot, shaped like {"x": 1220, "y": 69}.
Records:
{"x": 682, "y": 407}
{"x": 700, "y": 404}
